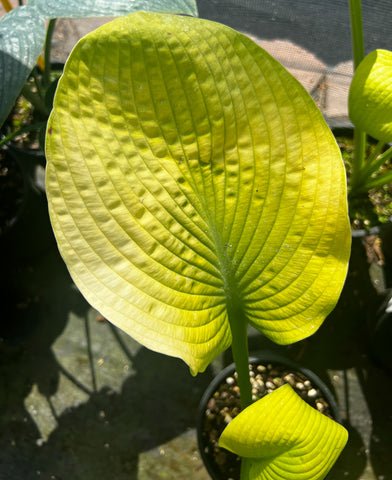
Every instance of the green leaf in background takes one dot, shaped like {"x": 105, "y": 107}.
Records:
{"x": 281, "y": 437}
{"x": 110, "y": 8}
{"x": 370, "y": 97}
{"x": 22, "y": 36}
{"x": 194, "y": 186}
{"x": 22, "y": 33}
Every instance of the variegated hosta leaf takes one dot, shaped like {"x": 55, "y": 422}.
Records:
{"x": 190, "y": 175}
{"x": 281, "y": 437}
{"x": 23, "y": 30}
{"x": 370, "y": 97}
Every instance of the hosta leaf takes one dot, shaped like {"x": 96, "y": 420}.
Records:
{"x": 23, "y": 30}
{"x": 370, "y": 97}
{"x": 22, "y": 35}
{"x": 281, "y": 437}
{"x": 189, "y": 173}
{"x": 111, "y": 8}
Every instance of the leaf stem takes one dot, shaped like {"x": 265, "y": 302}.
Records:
{"x": 376, "y": 182}
{"x": 35, "y": 99}
{"x": 359, "y": 156}
{"x": 27, "y": 128}
{"x": 376, "y": 162}
{"x": 37, "y": 83}
{"x": 358, "y": 51}
{"x": 48, "y": 45}
{"x": 357, "y": 42}
{"x": 239, "y": 348}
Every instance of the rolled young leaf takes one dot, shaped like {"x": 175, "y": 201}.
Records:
{"x": 370, "y": 96}
{"x": 281, "y": 437}
{"x": 193, "y": 183}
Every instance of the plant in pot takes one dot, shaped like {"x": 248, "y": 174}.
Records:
{"x": 370, "y": 172}
{"x": 370, "y": 109}
{"x": 220, "y": 403}
{"x": 194, "y": 188}
{"x": 27, "y": 86}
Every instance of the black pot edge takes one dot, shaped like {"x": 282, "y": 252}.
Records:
{"x": 265, "y": 357}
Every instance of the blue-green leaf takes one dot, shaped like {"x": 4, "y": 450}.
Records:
{"x": 22, "y": 35}
{"x": 112, "y": 8}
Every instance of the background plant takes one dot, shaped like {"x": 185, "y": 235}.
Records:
{"x": 194, "y": 188}
{"x": 370, "y": 110}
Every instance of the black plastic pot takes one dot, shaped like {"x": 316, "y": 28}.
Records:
{"x": 268, "y": 358}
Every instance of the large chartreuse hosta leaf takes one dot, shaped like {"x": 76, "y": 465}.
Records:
{"x": 281, "y": 437}
{"x": 370, "y": 98}
{"x": 193, "y": 184}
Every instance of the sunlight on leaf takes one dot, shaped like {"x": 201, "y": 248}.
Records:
{"x": 188, "y": 170}
{"x": 281, "y": 437}
{"x": 370, "y": 97}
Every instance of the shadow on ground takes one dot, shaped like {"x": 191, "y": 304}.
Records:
{"x": 102, "y": 436}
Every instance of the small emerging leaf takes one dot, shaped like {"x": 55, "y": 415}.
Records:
{"x": 281, "y": 437}
{"x": 189, "y": 174}
{"x": 370, "y": 97}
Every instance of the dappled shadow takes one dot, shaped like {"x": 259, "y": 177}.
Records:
{"x": 378, "y": 393}
{"x": 104, "y": 436}
{"x": 36, "y": 297}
